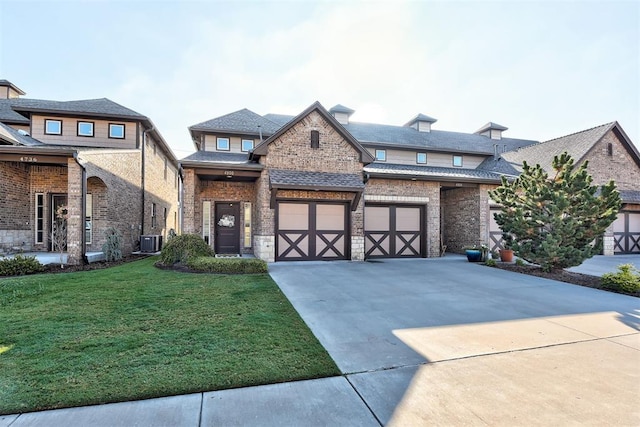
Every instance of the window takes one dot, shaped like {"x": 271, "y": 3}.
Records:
{"x": 116, "y": 131}
{"x": 247, "y": 145}
{"x": 154, "y": 219}
{"x": 457, "y": 161}
{"x": 53, "y": 127}
{"x": 381, "y": 155}
{"x": 223, "y": 144}
{"x": 85, "y": 128}
{"x": 247, "y": 224}
{"x": 206, "y": 221}
{"x": 88, "y": 214}
{"x": 421, "y": 158}
{"x": 165, "y": 168}
{"x": 39, "y": 218}
{"x": 164, "y": 217}
{"x": 315, "y": 139}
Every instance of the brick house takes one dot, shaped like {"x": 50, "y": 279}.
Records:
{"x": 108, "y": 164}
{"x": 318, "y": 186}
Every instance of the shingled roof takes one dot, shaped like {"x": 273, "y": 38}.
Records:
{"x": 93, "y": 107}
{"x": 239, "y": 122}
{"x": 576, "y": 145}
{"x": 431, "y": 172}
{"x": 406, "y": 137}
{"x": 215, "y": 158}
{"x": 14, "y": 137}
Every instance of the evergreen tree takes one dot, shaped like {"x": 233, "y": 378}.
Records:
{"x": 555, "y": 222}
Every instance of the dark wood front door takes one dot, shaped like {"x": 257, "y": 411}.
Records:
{"x": 227, "y": 228}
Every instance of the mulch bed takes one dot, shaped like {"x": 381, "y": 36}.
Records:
{"x": 561, "y": 276}
{"x": 55, "y": 268}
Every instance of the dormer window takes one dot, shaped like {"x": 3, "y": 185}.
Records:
{"x": 421, "y": 158}
{"x": 222, "y": 144}
{"x": 53, "y": 127}
{"x": 381, "y": 155}
{"x": 315, "y": 139}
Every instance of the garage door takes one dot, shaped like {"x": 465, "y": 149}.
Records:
{"x": 394, "y": 231}
{"x": 626, "y": 233}
{"x": 312, "y": 231}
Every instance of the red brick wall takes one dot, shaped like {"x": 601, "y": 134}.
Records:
{"x": 14, "y": 196}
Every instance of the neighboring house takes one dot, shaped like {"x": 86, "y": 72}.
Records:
{"x": 107, "y": 163}
{"x": 611, "y": 156}
{"x": 319, "y": 187}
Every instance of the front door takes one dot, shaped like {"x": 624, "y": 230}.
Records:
{"x": 227, "y": 229}
{"x": 58, "y": 223}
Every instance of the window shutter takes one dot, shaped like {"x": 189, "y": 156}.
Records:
{"x": 315, "y": 139}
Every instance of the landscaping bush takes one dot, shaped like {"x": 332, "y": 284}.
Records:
{"x": 491, "y": 262}
{"x": 627, "y": 279}
{"x": 184, "y": 247}
{"x": 20, "y": 265}
{"x": 520, "y": 262}
{"x": 228, "y": 265}
{"x": 112, "y": 248}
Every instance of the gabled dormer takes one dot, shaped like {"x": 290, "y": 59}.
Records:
{"x": 421, "y": 123}
{"x": 491, "y": 130}
{"x": 341, "y": 113}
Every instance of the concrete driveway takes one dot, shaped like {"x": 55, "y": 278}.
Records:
{"x": 447, "y": 342}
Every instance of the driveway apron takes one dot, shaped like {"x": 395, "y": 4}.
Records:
{"x": 445, "y": 341}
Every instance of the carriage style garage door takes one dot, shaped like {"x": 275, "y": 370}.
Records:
{"x": 394, "y": 231}
{"x": 626, "y": 233}
{"x": 312, "y": 231}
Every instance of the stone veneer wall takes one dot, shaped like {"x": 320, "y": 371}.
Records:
{"x": 462, "y": 219}
{"x": 411, "y": 192}
{"x": 119, "y": 204}
{"x": 15, "y": 215}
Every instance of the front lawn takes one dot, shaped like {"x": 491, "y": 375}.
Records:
{"x": 134, "y": 332}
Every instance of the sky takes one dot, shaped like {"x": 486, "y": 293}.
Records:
{"x": 543, "y": 69}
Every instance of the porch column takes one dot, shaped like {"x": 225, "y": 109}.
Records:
{"x": 75, "y": 222}
{"x": 190, "y": 186}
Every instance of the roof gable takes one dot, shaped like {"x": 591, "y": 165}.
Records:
{"x": 365, "y": 157}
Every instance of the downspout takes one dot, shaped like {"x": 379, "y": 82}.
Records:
{"x": 142, "y": 171}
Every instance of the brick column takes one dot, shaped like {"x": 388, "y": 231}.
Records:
{"x": 189, "y": 201}
{"x": 75, "y": 222}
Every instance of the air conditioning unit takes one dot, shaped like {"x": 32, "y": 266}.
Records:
{"x": 150, "y": 243}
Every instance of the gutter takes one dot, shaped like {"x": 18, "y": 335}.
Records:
{"x": 83, "y": 209}
{"x": 142, "y": 175}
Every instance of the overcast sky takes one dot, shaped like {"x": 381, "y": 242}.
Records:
{"x": 543, "y": 69}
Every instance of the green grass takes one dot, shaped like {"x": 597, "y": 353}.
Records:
{"x": 134, "y": 332}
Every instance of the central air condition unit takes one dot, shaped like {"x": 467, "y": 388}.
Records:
{"x": 151, "y": 243}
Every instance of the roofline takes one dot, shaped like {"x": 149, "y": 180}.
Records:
{"x": 12, "y": 86}
{"x": 442, "y": 178}
{"x": 365, "y": 156}
{"x": 77, "y": 112}
{"x": 223, "y": 131}
{"x": 211, "y": 165}
{"x": 23, "y": 149}
{"x": 633, "y": 150}
{"x": 24, "y": 121}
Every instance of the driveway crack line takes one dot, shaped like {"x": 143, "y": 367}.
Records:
{"x": 363, "y": 401}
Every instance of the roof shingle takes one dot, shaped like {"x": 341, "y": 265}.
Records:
{"x": 304, "y": 179}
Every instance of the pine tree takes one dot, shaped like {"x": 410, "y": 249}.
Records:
{"x": 555, "y": 222}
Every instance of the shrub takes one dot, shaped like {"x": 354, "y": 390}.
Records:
{"x": 228, "y": 265}
{"x": 491, "y": 262}
{"x": 112, "y": 248}
{"x": 520, "y": 262}
{"x": 182, "y": 248}
{"x": 627, "y": 279}
{"x": 20, "y": 265}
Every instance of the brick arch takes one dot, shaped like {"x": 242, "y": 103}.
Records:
{"x": 99, "y": 212}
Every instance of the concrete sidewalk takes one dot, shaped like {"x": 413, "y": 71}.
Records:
{"x": 600, "y": 264}
{"x": 426, "y": 342}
